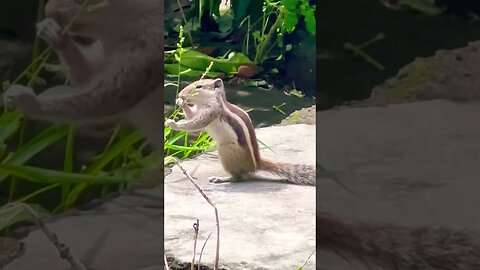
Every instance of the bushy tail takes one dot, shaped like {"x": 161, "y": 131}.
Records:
{"x": 300, "y": 174}
{"x": 396, "y": 247}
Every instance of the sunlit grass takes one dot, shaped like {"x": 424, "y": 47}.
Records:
{"x": 119, "y": 164}
{"x": 180, "y": 144}
{"x": 63, "y": 186}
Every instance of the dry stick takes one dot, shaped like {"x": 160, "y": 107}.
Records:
{"x": 65, "y": 252}
{"x": 166, "y": 262}
{"x": 306, "y": 261}
{"x": 196, "y": 228}
{"x": 185, "y": 21}
{"x": 192, "y": 180}
{"x": 201, "y": 251}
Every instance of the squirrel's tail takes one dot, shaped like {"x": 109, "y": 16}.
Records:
{"x": 300, "y": 174}
{"x": 395, "y": 247}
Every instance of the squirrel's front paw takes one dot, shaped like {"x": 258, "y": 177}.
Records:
{"x": 170, "y": 123}
{"x": 180, "y": 102}
{"x": 49, "y": 30}
{"x": 21, "y": 97}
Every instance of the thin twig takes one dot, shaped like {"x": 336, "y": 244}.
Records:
{"x": 166, "y": 262}
{"x": 185, "y": 21}
{"x": 196, "y": 228}
{"x": 192, "y": 180}
{"x": 306, "y": 261}
{"x": 201, "y": 251}
{"x": 65, "y": 252}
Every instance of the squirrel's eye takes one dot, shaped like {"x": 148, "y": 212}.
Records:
{"x": 199, "y": 86}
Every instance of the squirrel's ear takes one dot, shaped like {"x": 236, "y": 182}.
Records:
{"x": 218, "y": 83}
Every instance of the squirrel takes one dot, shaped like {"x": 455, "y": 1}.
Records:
{"x": 205, "y": 106}
{"x": 393, "y": 247}
{"x": 113, "y": 51}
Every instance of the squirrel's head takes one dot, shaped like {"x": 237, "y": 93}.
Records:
{"x": 100, "y": 16}
{"x": 202, "y": 90}
{"x": 64, "y": 10}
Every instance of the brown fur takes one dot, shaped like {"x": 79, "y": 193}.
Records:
{"x": 117, "y": 81}
{"x": 399, "y": 248}
{"x": 235, "y": 160}
{"x": 238, "y": 150}
{"x": 295, "y": 173}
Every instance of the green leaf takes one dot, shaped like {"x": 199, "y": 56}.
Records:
{"x": 191, "y": 26}
{"x": 175, "y": 138}
{"x": 9, "y": 123}
{"x": 185, "y": 148}
{"x": 257, "y": 36}
{"x": 68, "y": 163}
{"x": 13, "y": 213}
{"x": 290, "y": 5}
{"x": 38, "y": 192}
{"x": 239, "y": 8}
{"x": 198, "y": 62}
{"x": 310, "y": 21}
{"x": 225, "y": 23}
{"x": 296, "y": 93}
{"x": 74, "y": 195}
{"x": 113, "y": 152}
{"x": 290, "y": 21}
{"x": 188, "y": 72}
{"x": 177, "y": 57}
{"x": 215, "y": 7}
{"x": 36, "y": 145}
{"x": 98, "y": 165}
{"x": 46, "y": 176}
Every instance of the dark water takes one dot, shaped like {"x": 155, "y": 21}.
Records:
{"x": 408, "y": 35}
{"x": 261, "y": 101}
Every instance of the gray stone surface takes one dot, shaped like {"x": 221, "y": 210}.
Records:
{"x": 411, "y": 164}
{"x": 263, "y": 225}
{"x": 123, "y": 234}
{"x": 10, "y": 248}
{"x": 302, "y": 116}
{"x": 449, "y": 74}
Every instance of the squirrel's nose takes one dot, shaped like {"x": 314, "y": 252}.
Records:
{"x": 59, "y": 11}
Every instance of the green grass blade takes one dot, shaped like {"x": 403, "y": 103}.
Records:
{"x": 46, "y": 176}
{"x": 68, "y": 164}
{"x": 38, "y": 192}
{"x": 34, "y": 146}
{"x": 185, "y": 148}
{"x": 74, "y": 195}
{"x": 17, "y": 212}
{"x": 99, "y": 164}
{"x": 113, "y": 152}
{"x": 68, "y": 161}
{"x": 175, "y": 138}
{"x": 9, "y": 124}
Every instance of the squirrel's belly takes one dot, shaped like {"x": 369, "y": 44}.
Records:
{"x": 236, "y": 159}
{"x": 221, "y": 132}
